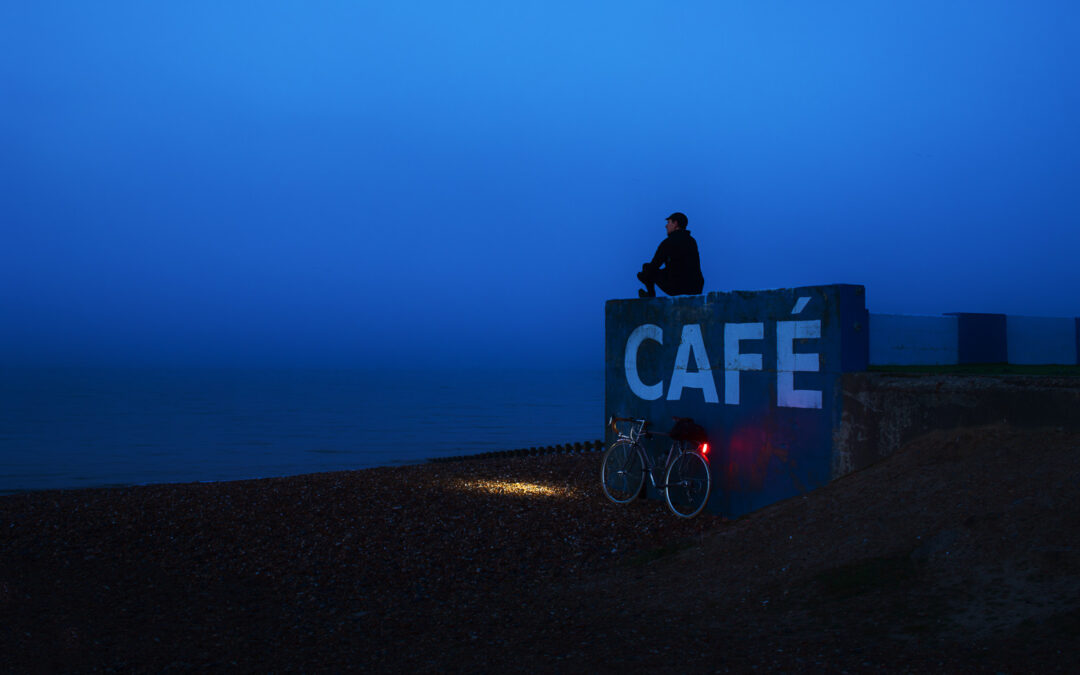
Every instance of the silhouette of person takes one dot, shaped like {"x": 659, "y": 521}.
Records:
{"x": 676, "y": 267}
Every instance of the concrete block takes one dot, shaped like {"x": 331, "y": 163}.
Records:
{"x": 981, "y": 338}
{"x": 906, "y": 340}
{"x": 759, "y": 370}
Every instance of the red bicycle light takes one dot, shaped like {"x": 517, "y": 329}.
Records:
{"x": 704, "y": 448}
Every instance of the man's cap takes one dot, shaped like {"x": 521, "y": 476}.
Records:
{"x": 679, "y": 218}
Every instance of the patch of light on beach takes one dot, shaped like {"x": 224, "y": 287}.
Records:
{"x": 515, "y": 488}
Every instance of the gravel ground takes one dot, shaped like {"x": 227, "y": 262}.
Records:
{"x": 959, "y": 553}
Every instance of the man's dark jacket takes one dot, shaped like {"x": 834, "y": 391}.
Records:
{"x": 681, "y": 273}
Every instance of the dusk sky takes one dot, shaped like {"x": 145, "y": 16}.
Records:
{"x": 409, "y": 184}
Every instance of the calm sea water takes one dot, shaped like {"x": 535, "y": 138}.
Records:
{"x": 72, "y": 428}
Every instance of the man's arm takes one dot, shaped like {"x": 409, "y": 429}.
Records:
{"x": 661, "y": 256}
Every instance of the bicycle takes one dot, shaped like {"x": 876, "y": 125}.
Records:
{"x": 687, "y": 479}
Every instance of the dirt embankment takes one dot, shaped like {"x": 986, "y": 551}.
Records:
{"x": 959, "y": 552}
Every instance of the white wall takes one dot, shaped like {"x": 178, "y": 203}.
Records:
{"x": 907, "y": 340}
{"x": 1036, "y": 339}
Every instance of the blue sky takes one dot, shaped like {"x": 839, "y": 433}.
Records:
{"x": 411, "y": 184}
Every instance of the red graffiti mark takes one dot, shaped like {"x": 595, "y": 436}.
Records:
{"x": 748, "y": 456}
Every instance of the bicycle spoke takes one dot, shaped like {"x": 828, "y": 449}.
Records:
{"x": 622, "y": 472}
{"x": 687, "y": 484}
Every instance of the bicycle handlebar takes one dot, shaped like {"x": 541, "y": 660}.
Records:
{"x": 614, "y": 419}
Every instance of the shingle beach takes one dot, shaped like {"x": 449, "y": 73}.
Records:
{"x": 960, "y": 552}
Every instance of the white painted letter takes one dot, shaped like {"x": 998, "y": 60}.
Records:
{"x": 649, "y": 331}
{"x": 701, "y": 379}
{"x": 788, "y": 363}
{"x": 734, "y": 361}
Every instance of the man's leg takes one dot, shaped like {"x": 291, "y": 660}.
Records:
{"x": 645, "y": 276}
{"x": 664, "y": 282}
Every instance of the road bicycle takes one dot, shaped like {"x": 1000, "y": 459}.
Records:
{"x": 687, "y": 479}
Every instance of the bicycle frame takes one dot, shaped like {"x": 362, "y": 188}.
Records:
{"x": 686, "y": 483}
{"x": 638, "y": 430}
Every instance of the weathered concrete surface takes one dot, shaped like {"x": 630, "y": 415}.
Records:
{"x": 882, "y": 411}
{"x": 759, "y": 370}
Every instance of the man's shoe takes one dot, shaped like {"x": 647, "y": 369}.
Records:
{"x": 642, "y": 293}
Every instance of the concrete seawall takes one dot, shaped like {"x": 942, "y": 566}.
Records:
{"x": 882, "y": 411}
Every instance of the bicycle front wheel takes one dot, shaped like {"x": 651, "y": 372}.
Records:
{"x": 688, "y": 484}
{"x": 622, "y": 472}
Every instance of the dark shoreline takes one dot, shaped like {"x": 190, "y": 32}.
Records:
{"x": 568, "y": 448}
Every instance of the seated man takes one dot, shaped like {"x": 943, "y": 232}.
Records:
{"x": 675, "y": 268}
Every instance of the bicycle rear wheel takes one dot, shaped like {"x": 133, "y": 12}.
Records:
{"x": 688, "y": 484}
{"x": 622, "y": 472}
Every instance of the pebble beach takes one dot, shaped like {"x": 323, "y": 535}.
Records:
{"x": 519, "y": 564}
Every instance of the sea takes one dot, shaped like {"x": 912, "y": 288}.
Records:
{"x": 74, "y": 428}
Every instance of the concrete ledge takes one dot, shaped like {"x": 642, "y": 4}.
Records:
{"x": 883, "y": 411}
